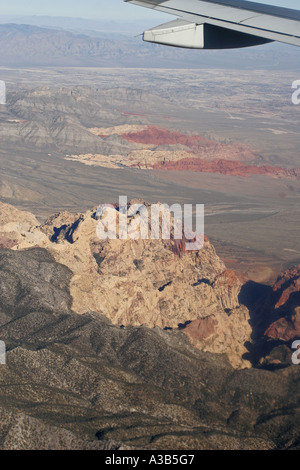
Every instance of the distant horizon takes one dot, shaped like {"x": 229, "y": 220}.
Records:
{"x": 114, "y": 10}
{"x": 133, "y": 26}
{"x": 61, "y": 17}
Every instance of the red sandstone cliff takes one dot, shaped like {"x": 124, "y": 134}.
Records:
{"x": 287, "y": 306}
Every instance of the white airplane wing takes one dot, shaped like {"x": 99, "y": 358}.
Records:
{"x": 222, "y": 24}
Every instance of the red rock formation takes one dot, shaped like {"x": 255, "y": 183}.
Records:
{"x": 200, "y": 154}
{"x": 157, "y": 136}
{"x": 287, "y": 327}
{"x": 201, "y": 329}
{"x": 6, "y": 242}
{"x": 284, "y": 329}
{"x": 227, "y": 167}
{"x": 287, "y": 284}
{"x": 179, "y": 247}
{"x": 228, "y": 278}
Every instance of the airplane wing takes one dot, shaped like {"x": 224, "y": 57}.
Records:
{"x": 222, "y": 24}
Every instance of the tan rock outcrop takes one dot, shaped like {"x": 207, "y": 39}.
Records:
{"x": 223, "y": 333}
{"x": 141, "y": 281}
{"x": 18, "y": 229}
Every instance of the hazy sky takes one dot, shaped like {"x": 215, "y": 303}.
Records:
{"x": 95, "y": 9}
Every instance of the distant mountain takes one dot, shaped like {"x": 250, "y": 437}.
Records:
{"x": 28, "y": 45}
{"x": 79, "y": 25}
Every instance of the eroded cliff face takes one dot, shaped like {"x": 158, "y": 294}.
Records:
{"x": 286, "y": 328}
{"x": 286, "y": 285}
{"x": 156, "y": 283}
{"x": 286, "y": 307}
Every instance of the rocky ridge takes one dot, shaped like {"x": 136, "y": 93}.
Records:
{"x": 19, "y": 431}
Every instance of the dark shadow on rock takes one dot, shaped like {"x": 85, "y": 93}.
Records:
{"x": 57, "y": 232}
{"x": 182, "y": 326}
{"x": 260, "y": 300}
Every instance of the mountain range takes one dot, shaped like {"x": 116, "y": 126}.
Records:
{"x": 26, "y": 45}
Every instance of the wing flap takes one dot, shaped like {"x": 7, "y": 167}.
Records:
{"x": 180, "y": 33}
{"x": 273, "y": 23}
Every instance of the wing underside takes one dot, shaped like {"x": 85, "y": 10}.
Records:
{"x": 246, "y": 19}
